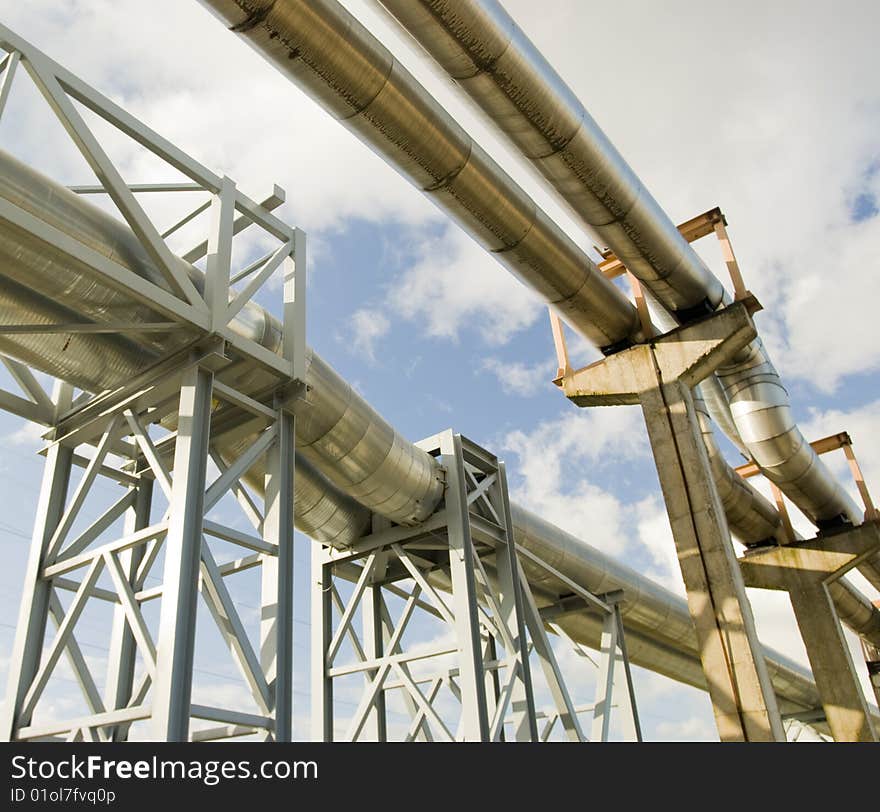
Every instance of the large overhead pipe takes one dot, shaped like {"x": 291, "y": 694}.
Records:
{"x": 321, "y": 47}
{"x": 42, "y": 284}
{"x": 480, "y": 46}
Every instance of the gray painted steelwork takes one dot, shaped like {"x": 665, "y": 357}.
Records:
{"x": 480, "y": 46}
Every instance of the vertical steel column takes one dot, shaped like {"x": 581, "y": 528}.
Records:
{"x": 277, "y": 641}
{"x": 33, "y": 613}
{"x": 172, "y": 689}
{"x": 614, "y": 676}
{"x": 321, "y": 635}
{"x": 623, "y": 674}
{"x": 512, "y": 609}
{"x": 475, "y": 719}
{"x": 493, "y": 683}
{"x": 550, "y": 666}
{"x": 605, "y": 680}
{"x": 123, "y": 648}
{"x": 373, "y": 642}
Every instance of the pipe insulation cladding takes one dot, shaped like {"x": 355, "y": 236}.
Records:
{"x": 328, "y": 53}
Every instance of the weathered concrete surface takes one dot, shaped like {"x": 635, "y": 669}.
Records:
{"x": 805, "y": 570}
{"x": 660, "y": 376}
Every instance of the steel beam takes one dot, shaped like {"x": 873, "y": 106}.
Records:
{"x": 123, "y": 648}
{"x": 173, "y": 685}
{"x": 475, "y": 715}
{"x": 278, "y": 597}
{"x": 27, "y": 649}
{"x": 484, "y": 608}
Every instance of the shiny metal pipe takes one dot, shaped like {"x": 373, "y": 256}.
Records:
{"x": 338, "y": 433}
{"x": 323, "y": 49}
{"x": 752, "y": 519}
{"x": 482, "y": 49}
{"x": 38, "y": 281}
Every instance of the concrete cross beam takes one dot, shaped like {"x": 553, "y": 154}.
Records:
{"x": 687, "y": 354}
{"x": 804, "y": 570}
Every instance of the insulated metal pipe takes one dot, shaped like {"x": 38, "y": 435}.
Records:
{"x": 43, "y": 284}
{"x": 482, "y": 49}
{"x": 338, "y": 433}
{"x": 322, "y": 48}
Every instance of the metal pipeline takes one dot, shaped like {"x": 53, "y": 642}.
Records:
{"x": 482, "y": 49}
{"x": 338, "y": 433}
{"x": 322, "y": 48}
{"x": 44, "y": 284}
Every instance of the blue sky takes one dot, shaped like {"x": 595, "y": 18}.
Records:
{"x": 433, "y": 333}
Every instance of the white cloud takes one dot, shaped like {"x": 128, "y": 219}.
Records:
{"x": 861, "y": 424}
{"x": 655, "y": 535}
{"x": 454, "y": 284}
{"x": 779, "y": 139}
{"x": 29, "y": 435}
{"x": 366, "y": 328}
{"x": 521, "y": 379}
{"x": 694, "y": 728}
{"x": 551, "y": 464}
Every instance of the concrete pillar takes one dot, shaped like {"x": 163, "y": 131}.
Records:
{"x": 660, "y": 376}
{"x": 739, "y": 684}
{"x": 804, "y": 570}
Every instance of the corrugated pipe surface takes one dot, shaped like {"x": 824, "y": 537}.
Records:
{"x": 322, "y": 48}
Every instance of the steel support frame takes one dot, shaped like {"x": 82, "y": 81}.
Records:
{"x": 612, "y": 659}
{"x": 63, "y": 559}
{"x": 179, "y": 302}
{"x": 194, "y": 390}
{"x": 660, "y": 376}
{"x": 460, "y": 567}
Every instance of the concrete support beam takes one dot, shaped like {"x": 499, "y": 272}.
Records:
{"x": 805, "y": 570}
{"x": 659, "y": 376}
